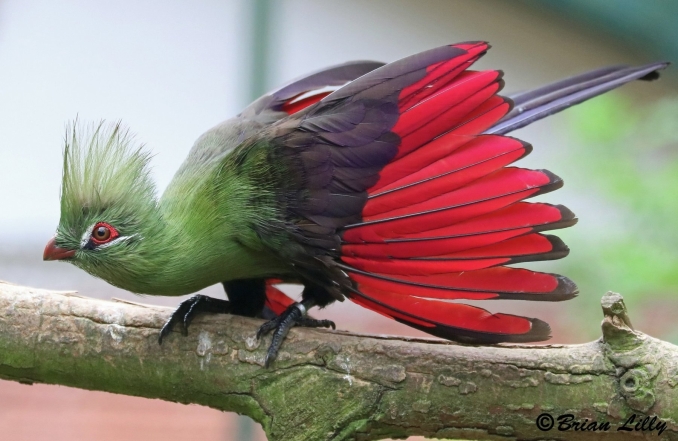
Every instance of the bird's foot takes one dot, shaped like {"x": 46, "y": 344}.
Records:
{"x": 188, "y": 309}
{"x": 294, "y": 315}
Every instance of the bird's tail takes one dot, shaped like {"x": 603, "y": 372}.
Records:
{"x": 539, "y": 103}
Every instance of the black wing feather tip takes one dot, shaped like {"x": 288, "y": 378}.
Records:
{"x": 566, "y": 287}
{"x": 558, "y": 251}
{"x": 557, "y": 243}
{"x": 567, "y": 219}
{"x": 554, "y": 226}
{"x": 565, "y": 213}
{"x": 555, "y": 182}
{"x": 527, "y": 146}
{"x": 500, "y": 76}
{"x": 540, "y": 331}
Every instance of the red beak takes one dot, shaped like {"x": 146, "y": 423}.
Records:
{"x": 53, "y": 252}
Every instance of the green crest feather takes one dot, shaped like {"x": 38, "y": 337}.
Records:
{"x": 105, "y": 171}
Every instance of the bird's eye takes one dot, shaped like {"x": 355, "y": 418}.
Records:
{"x": 102, "y": 233}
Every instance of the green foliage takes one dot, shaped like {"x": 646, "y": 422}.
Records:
{"x": 626, "y": 160}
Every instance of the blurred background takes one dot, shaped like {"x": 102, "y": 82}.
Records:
{"x": 172, "y": 69}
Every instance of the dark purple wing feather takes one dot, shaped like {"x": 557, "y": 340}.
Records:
{"x": 337, "y": 75}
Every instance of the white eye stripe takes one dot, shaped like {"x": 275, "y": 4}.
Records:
{"x": 114, "y": 241}
{"x": 86, "y": 235}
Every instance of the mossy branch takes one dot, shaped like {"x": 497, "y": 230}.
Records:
{"x": 340, "y": 386}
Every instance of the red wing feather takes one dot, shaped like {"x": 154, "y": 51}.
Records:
{"x": 452, "y": 320}
{"x": 276, "y": 300}
{"x": 528, "y": 246}
{"x": 498, "y": 282}
{"x": 516, "y": 219}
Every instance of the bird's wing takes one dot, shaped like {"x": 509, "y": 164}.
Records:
{"x": 302, "y": 92}
{"x": 388, "y": 189}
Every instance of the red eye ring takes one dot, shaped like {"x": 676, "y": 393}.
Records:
{"x": 103, "y": 233}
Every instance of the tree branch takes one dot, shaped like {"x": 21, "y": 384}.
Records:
{"x": 340, "y": 386}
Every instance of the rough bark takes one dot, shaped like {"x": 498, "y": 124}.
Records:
{"x": 340, "y": 386}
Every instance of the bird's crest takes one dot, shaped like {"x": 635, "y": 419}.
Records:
{"x": 104, "y": 170}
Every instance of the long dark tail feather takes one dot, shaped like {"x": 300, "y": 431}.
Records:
{"x": 536, "y": 104}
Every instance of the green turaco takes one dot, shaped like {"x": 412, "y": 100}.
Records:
{"x": 388, "y": 185}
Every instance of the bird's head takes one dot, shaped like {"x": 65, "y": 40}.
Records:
{"x": 108, "y": 202}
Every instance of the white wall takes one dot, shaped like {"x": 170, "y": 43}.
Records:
{"x": 168, "y": 69}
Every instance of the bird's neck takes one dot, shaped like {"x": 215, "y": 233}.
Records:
{"x": 194, "y": 243}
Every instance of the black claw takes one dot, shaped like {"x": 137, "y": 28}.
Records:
{"x": 282, "y": 325}
{"x": 267, "y": 327}
{"x": 314, "y": 323}
{"x": 188, "y": 309}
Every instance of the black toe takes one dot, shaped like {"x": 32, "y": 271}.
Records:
{"x": 188, "y": 309}
{"x": 281, "y": 325}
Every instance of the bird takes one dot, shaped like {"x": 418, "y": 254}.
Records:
{"x": 390, "y": 185}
